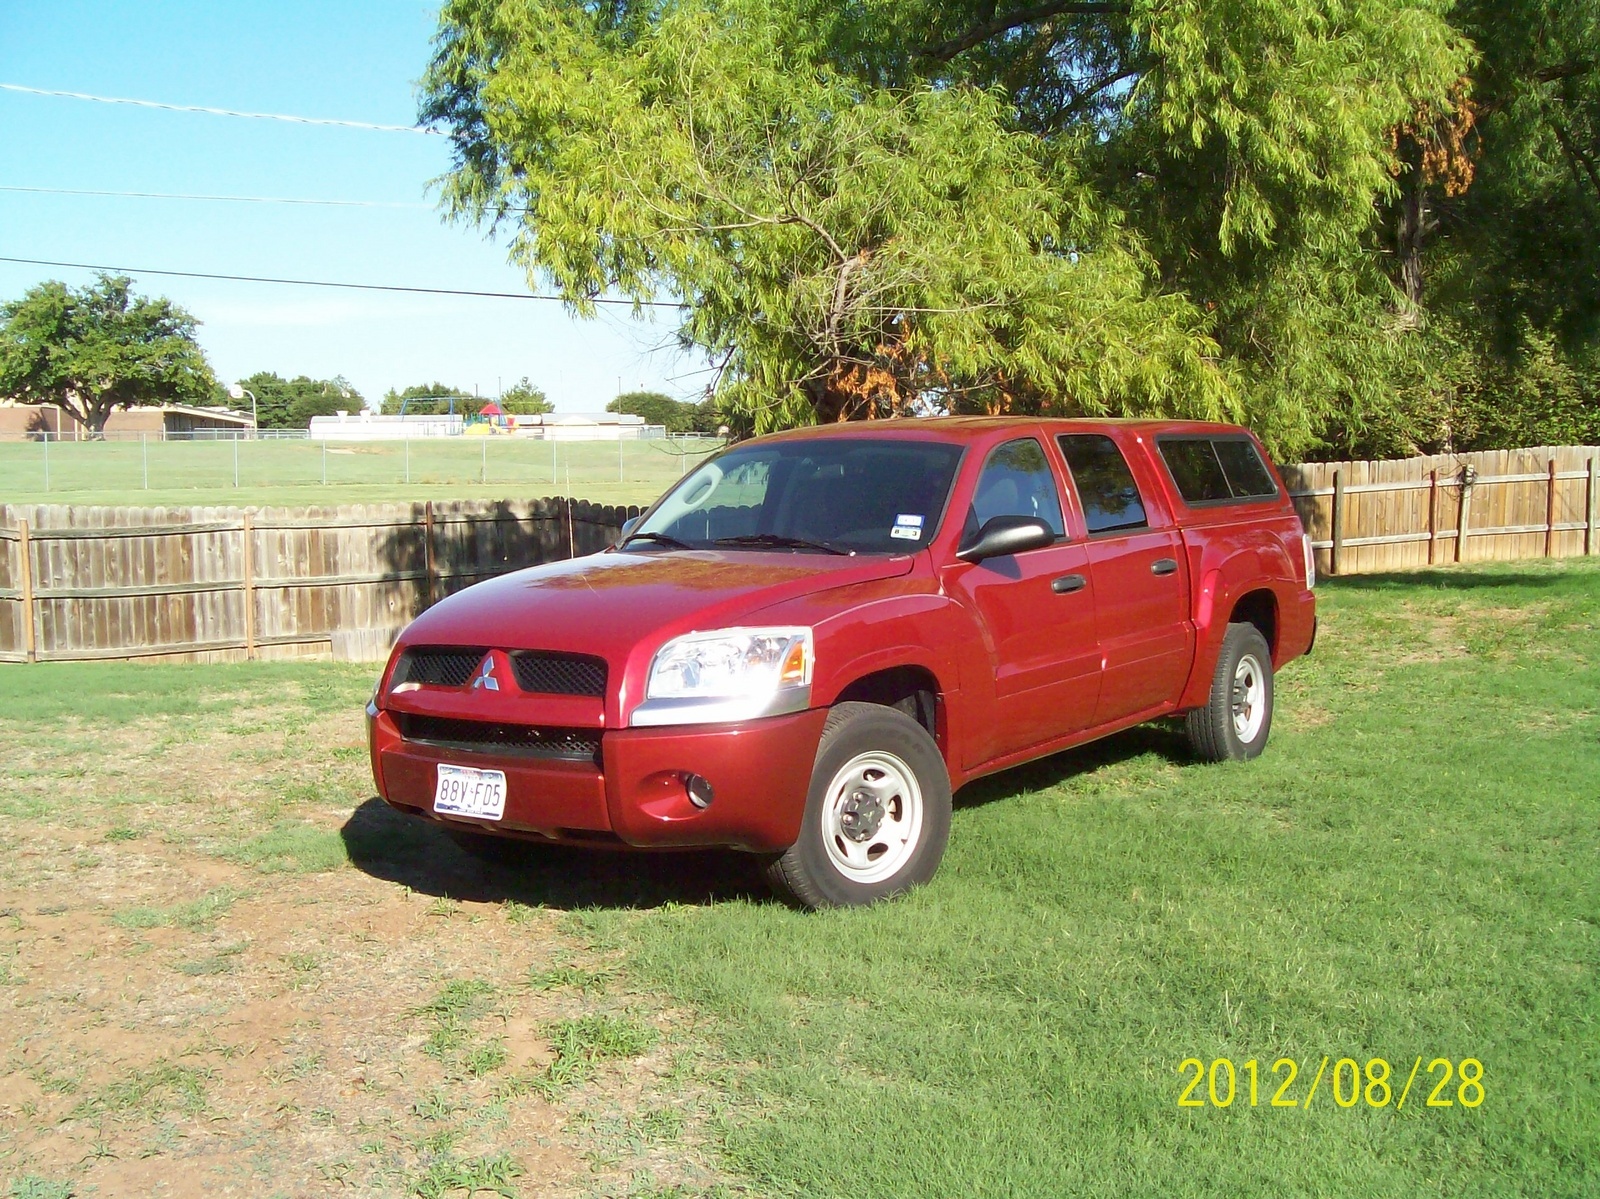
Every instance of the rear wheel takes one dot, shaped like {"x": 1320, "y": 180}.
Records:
{"x": 1237, "y": 717}
{"x": 877, "y": 815}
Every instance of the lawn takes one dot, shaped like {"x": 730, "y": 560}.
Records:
{"x": 307, "y": 472}
{"x": 192, "y": 868}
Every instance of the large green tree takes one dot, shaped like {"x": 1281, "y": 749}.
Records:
{"x": 522, "y": 398}
{"x": 1362, "y": 225}
{"x": 676, "y": 416}
{"x": 839, "y": 249}
{"x": 291, "y": 403}
{"x": 99, "y": 347}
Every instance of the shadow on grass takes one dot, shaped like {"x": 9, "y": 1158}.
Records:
{"x": 1444, "y": 578}
{"x": 419, "y": 854}
{"x": 1165, "y": 739}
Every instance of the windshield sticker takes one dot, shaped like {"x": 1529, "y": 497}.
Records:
{"x": 908, "y": 527}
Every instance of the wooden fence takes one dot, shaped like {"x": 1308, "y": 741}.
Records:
{"x": 1498, "y": 505}
{"x": 218, "y": 584}
{"x": 212, "y": 584}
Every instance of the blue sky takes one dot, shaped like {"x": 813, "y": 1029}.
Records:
{"x": 330, "y": 58}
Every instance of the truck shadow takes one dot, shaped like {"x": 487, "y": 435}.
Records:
{"x": 1441, "y": 579}
{"x": 415, "y": 853}
{"x": 418, "y": 854}
{"x": 1165, "y": 739}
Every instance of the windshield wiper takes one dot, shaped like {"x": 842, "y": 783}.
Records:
{"x": 780, "y": 542}
{"x": 656, "y": 538}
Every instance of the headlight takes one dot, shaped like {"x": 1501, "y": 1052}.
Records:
{"x": 729, "y": 674}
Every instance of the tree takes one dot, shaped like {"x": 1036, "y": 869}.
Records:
{"x": 291, "y": 403}
{"x": 1156, "y": 206}
{"x": 100, "y": 347}
{"x": 430, "y": 399}
{"x": 657, "y": 409}
{"x": 840, "y": 251}
{"x": 524, "y": 399}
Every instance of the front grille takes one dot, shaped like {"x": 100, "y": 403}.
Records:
{"x": 485, "y": 737}
{"x": 559, "y": 674}
{"x": 438, "y": 665}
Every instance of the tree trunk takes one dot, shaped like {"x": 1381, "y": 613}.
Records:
{"x": 1411, "y": 226}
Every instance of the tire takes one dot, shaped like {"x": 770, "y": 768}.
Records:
{"x": 1237, "y": 717}
{"x": 877, "y": 814}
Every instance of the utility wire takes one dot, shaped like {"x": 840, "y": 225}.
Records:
{"x": 221, "y": 112}
{"x": 429, "y": 291}
{"x": 83, "y": 191}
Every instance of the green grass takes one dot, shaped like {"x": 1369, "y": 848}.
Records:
{"x": 292, "y": 472}
{"x": 196, "y": 915}
{"x": 1413, "y": 868}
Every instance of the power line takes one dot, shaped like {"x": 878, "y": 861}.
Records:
{"x": 220, "y": 112}
{"x": 428, "y": 291}
{"x": 83, "y": 191}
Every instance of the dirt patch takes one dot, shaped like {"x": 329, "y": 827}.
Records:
{"x": 202, "y": 996}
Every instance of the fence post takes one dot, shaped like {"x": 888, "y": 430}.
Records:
{"x": 1433, "y": 516}
{"x": 1550, "y": 514}
{"x": 29, "y": 643}
{"x": 1589, "y": 527}
{"x": 1468, "y": 475}
{"x": 47, "y": 459}
{"x": 572, "y": 537}
{"x": 249, "y": 556}
{"x": 427, "y": 552}
{"x": 1336, "y": 555}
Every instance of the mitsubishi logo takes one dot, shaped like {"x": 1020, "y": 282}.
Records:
{"x": 485, "y": 677}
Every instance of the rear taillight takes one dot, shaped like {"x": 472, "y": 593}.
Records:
{"x": 1311, "y": 560}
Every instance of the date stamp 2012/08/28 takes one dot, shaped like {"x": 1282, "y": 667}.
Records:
{"x": 1351, "y": 1083}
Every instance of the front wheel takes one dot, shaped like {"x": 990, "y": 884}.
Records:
{"x": 877, "y": 815}
{"x": 1237, "y": 717}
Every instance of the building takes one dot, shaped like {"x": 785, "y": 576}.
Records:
{"x": 585, "y": 426}
{"x": 369, "y": 426}
{"x": 167, "y": 421}
{"x": 549, "y": 426}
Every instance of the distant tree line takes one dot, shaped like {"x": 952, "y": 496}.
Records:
{"x": 678, "y": 416}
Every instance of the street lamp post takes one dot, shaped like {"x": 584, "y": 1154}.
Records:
{"x": 238, "y": 392}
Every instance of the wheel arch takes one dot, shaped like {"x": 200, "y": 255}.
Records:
{"x": 1259, "y": 608}
{"x": 910, "y": 688}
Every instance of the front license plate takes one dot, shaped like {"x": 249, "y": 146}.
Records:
{"x": 464, "y": 791}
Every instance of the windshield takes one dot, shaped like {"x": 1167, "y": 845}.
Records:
{"x": 850, "y": 495}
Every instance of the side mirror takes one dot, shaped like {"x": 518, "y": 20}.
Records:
{"x": 628, "y": 526}
{"x": 1002, "y": 535}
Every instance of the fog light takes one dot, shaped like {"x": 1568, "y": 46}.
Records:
{"x": 699, "y": 790}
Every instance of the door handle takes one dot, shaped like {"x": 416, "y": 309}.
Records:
{"x": 1163, "y": 566}
{"x": 1067, "y": 584}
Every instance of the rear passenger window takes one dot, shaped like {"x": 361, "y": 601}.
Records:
{"x": 1211, "y": 470}
{"x": 1110, "y": 497}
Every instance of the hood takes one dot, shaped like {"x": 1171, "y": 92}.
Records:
{"x": 604, "y": 604}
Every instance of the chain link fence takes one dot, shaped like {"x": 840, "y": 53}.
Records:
{"x": 221, "y": 460}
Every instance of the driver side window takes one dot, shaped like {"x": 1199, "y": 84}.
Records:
{"x": 1015, "y": 481}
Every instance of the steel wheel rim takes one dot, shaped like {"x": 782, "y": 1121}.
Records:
{"x": 1249, "y": 698}
{"x": 865, "y": 784}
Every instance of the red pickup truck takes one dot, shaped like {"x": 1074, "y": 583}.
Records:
{"x": 808, "y": 643}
